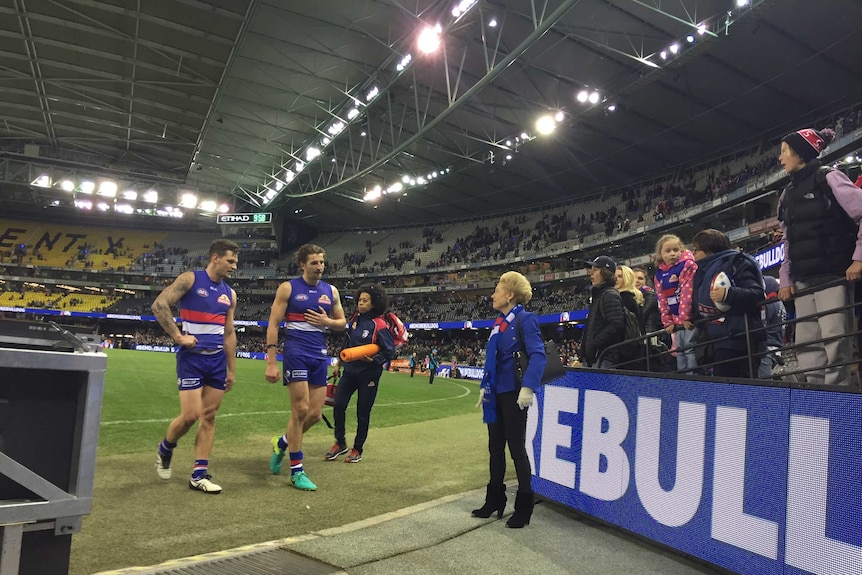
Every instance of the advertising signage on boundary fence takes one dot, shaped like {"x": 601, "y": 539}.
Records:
{"x": 260, "y": 218}
{"x": 755, "y": 479}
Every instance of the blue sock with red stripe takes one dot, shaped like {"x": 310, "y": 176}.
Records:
{"x": 282, "y": 443}
{"x": 200, "y": 470}
{"x": 166, "y": 448}
{"x": 295, "y": 462}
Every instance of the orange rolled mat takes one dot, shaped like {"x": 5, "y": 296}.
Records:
{"x": 358, "y": 352}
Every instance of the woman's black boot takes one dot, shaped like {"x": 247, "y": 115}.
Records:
{"x": 523, "y": 510}
{"x": 495, "y": 500}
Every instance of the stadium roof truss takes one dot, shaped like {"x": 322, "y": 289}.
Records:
{"x": 309, "y": 108}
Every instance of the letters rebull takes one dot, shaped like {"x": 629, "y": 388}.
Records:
{"x": 753, "y": 479}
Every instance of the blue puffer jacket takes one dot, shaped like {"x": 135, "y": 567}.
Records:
{"x": 745, "y": 293}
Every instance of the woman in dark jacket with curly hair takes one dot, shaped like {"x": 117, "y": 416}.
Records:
{"x": 363, "y": 375}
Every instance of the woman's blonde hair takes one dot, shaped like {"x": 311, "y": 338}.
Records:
{"x": 629, "y": 284}
{"x": 518, "y": 285}
{"x": 662, "y": 240}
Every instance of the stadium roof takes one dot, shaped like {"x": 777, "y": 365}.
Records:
{"x": 224, "y": 96}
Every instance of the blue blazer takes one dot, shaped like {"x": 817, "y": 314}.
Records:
{"x": 508, "y": 344}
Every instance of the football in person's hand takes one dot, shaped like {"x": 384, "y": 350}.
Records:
{"x": 721, "y": 281}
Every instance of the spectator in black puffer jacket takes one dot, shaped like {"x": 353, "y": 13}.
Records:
{"x": 606, "y": 322}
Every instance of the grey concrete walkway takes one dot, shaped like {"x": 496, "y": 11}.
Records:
{"x": 441, "y": 537}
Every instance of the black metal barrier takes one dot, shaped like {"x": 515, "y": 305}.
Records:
{"x": 651, "y": 357}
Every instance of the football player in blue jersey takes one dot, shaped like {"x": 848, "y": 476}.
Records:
{"x": 308, "y": 306}
{"x": 206, "y": 355}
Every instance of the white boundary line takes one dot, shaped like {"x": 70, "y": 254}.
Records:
{"x": 467, "y": 392}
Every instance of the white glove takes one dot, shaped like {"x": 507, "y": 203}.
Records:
{"x": 525, "y": 398}
{"x": 481, "y": 396}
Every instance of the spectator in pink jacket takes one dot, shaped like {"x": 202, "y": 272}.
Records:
{"x": 674, "y": 282}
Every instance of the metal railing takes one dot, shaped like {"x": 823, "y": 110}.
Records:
{"x": 653, "y": 358}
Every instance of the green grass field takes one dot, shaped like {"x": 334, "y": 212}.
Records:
{"x": 425, "y": 441}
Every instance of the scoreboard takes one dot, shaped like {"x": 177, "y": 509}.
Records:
{"x": 254, "y": 218}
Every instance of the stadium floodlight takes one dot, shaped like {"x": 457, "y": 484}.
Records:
{"x": 336, "y": 127}
{"x": 87, "y": 187}
{"x": 223, "y": 209}
{"x": 103, "y": 206}
{"x": 298, "y": 167}
{"x": 188, "y": 200}
{"x": 84, "y": 204}
{"x": 278, "y": 185}
{"x": 559, "y": 116}
{"x": 67, "y": 185}
{"x": 612, "y": 107}
{"x": 108, "y": 188}
{"x": 372, "y": 93}
{"x": 429, "y": 39}
{"x": 525, "y": 136}
{"x": 325, "y": 140}
{"x": 124, "y": 209}
{"x": 674, "y": 48}
{"x": 43, "y": 181}
{"x": 402, "y": 65}
{"x": 311, "y": 153}
{"x": 741, "y": 3}
{"x": 288, "y": 176}
{"x": 663, "y": 54}
{"x": 689, "y": 39}
{"x": 492, "y": 23}
{"x": 701, "y": 29}
{"x": 130, "y": 195}
{"x": 270, "y": 194}
{"x": 151, "y": 196}
{"x": 545, "y": 125}
{"x": 352, "y": 113}
{"x": 595, "y": 97}
{"x": 394, "y": 188}
{"x": 373, "y": 194}
{"x": 405, "y": 178}
{"x": 583, "y": 96}
{"x": 208, "y": 206}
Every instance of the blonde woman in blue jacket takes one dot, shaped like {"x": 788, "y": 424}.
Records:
{"x": 504, "y": 401}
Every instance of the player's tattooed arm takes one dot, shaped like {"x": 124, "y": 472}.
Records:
{"x": 168, "y": 298}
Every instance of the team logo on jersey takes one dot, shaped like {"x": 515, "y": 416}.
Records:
{"x": 365, "y": 333}
{"x": 354, "y": 325}
{"x": 673, "y": 278}
{"x": 324, "y": 299}
{"x": 223, "y": 298}
{"x": 301, "y": 297}
{"x": 202, "y": 292}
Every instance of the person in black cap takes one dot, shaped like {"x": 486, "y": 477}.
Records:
{"x": 606, "y": 320}
{"x": 819, "y": 212}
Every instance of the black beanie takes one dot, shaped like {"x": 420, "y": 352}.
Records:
{"x": 808, "y": 143}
